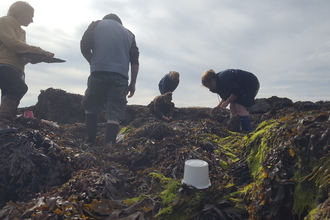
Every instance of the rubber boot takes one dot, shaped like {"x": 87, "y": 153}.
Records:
{"x": 8, "y": 110}
{"x": 111, "y": 133}
{"x": 246, "y": 124}
{"x": 91, "y": 129}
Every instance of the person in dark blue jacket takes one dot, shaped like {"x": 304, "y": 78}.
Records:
{"x": 237, "y": 88}
{"x": 169, "y": 82}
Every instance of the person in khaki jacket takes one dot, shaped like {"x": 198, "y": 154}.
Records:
{"x": 12, "y": 43}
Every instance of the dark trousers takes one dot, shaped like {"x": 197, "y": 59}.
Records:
{"x": 11, "y": 84}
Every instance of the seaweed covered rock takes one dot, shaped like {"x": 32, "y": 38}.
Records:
{"x": 279, "y": 171}
{"x": 60, "y": 106}
{"x": 32, "y": 162}
{"x": 288, "y": 160}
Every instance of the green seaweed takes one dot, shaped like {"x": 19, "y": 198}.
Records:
{"x": 260, "y": 144}
{"x": 126, "y": 130}
{"x": 229, "y": 146}
{"x": 304, "y": 197}
{"x": 174, "y": 204}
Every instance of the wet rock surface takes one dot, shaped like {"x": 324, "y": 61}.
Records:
{"x": 279, "y": 171}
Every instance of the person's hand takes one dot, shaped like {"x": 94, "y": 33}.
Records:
{"x": 166, "y": 118}
{"x": 48, "y": 54}
{"x": 130, "y": 90}
{"x": 26, "y": 60}
{"x": 215, "y": 109}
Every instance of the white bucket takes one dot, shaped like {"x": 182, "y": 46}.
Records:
{"x": 196, "y": 173}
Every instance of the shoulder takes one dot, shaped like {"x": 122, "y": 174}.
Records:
{"x": 223, "y": 76}
{"x": 245, "y": 72}
{"x": 158, "y": 98}
{"x": 167, "y": 76}
{"x": 7, "y": 19}
{"x": 9, "y": 22}
{"x": 164, "y": 77}
{"x": 226, "y": 72}
{"x": 130, "y": 32}
{"x": 93, "y": 24}
{"x": 3, "y": 18}
{"x": 91, "y": 27}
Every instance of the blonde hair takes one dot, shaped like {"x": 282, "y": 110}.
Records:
{"x": 174, "y": 75}
{"x": 18, "y": 8}
{"x": 207, "y": 77}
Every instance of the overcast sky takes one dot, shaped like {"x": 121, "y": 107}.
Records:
{"x": 285, "y": 43}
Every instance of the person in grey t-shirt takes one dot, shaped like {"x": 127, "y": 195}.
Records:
{"x": 109, "y": 48}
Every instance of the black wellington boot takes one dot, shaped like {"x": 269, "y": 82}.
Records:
{"x": 91, "y": 129}
{"x": 111, "y": 133}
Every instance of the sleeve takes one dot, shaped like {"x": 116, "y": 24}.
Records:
{"x": 87, "y": 40}
{"x": 166, "y": 83}
{"x": 157, "y": 106}
{"x": 8, "y": 38}
{"x": 161, "y": 85}
{"x": 134, "y": 53}
{"x": 173, "y": 85}
{"x": 171, "y": 108}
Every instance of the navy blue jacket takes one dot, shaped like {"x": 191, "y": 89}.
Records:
{"x": 166, "y": 84}
{"x": 241, "y": 83}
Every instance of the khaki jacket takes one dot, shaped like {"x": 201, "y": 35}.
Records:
{"x": 12, "y": 41}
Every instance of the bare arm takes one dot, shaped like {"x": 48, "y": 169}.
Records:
{"x": 231, "y": 98}
{"x": 131, "y": 86}
{"x": 218, "y": 107}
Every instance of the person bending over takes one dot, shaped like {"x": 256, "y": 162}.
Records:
{"x": 237, "y": 88}
{"x": 169, "y": 82}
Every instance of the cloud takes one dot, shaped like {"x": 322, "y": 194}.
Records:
{"x": 285, "y": 43}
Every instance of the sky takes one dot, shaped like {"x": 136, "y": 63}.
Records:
{"x": 285, "y": 43}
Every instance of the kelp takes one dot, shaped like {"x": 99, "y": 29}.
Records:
{"x": 276, "y": 164}
{"x": 184, "y": 202}
{"x": 273, "y": 172}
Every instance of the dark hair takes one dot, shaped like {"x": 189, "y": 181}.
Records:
{"x": 113, "y": 17}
